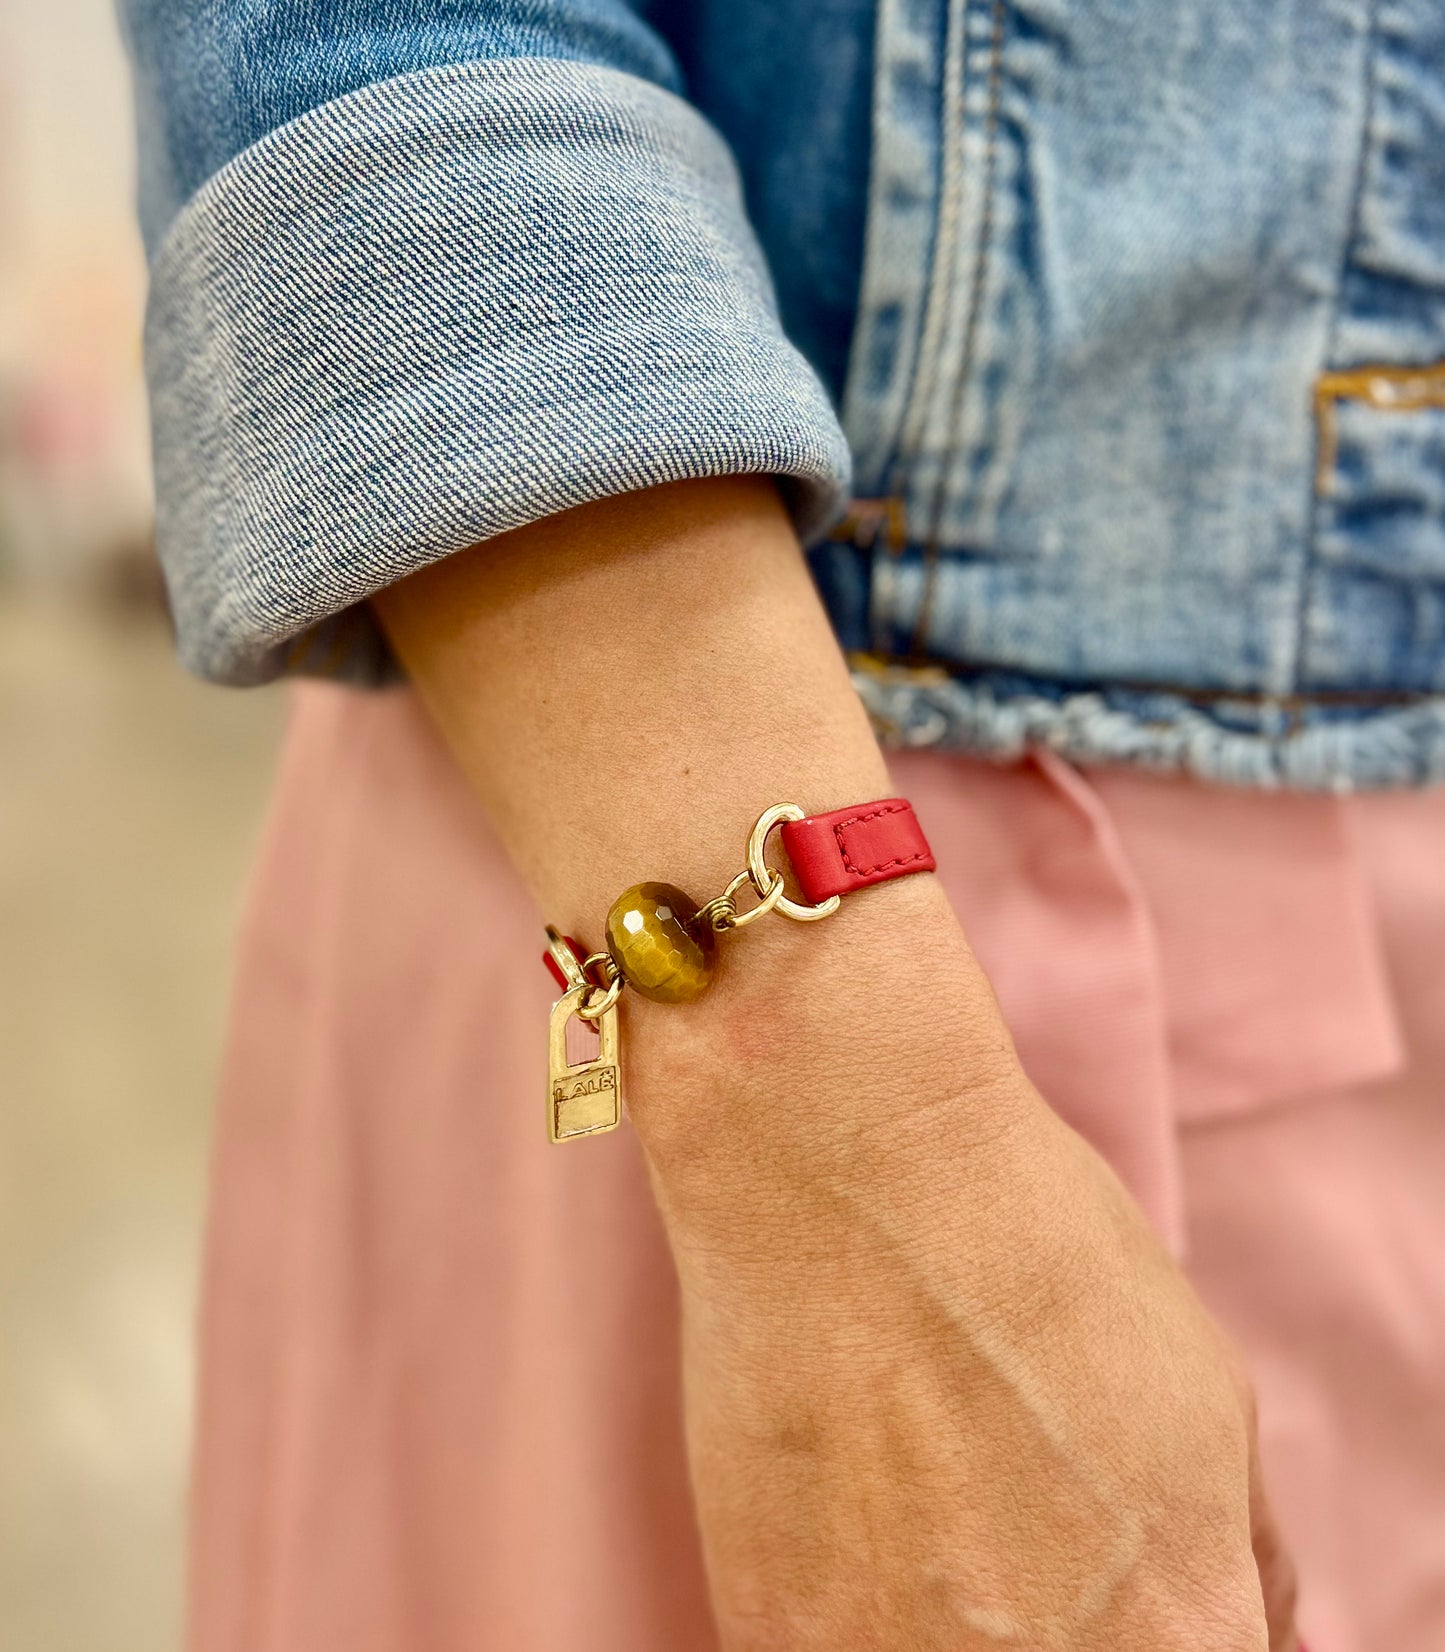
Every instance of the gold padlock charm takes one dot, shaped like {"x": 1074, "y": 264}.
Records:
{"x": 584, "y": 1100}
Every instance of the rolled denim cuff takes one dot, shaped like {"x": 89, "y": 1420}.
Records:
{"x": 438, "y": 308}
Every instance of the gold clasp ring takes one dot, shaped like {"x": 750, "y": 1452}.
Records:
{"x": 762, "y": 874}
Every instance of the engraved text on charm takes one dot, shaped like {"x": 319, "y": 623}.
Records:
{"x": 586, "y": 1099}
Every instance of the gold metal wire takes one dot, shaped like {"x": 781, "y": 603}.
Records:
{"x": 722, "y": 912}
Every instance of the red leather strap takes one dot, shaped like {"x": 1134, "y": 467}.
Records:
{"x": 849, "y": 849}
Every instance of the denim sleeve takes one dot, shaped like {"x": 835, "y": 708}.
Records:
{"x": 421, "y": 273}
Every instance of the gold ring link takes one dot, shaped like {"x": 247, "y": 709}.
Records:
{"x": 761, "y": 873}
{"x": 721, "y": 912}
{"x": 740, "y": 920}
{"x": 564, "y": 958}
{"x": 610, "y": 994}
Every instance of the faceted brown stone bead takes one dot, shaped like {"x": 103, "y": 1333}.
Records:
{"x": 661, "y": 948}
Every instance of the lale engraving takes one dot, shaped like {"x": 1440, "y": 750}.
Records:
{"x": 585, "y": 1103}
{"x": 594, "y": 1080}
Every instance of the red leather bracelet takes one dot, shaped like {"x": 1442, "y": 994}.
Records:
{"x": 831, "y": 854}
{"x": 663, "y": 944}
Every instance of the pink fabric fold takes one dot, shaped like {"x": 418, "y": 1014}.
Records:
{"x": 1164, "y": 952}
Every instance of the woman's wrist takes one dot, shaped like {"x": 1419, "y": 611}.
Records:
{"x": 843, "y": 1042}
{"x": 627, "y": 687}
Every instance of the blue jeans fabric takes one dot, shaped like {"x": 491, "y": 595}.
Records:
{"x": 1133, "y": 313}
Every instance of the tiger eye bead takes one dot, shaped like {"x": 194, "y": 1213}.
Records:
{"x": 659, "y": 944}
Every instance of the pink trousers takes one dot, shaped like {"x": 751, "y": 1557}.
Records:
{"x": 439, "y": 1390}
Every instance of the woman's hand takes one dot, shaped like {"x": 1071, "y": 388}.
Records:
{"x": 944, "y": 1390}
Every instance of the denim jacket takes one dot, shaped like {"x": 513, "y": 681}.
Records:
{"x": 1132, "y": 312}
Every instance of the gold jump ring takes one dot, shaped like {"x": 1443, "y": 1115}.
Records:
{"x": 610, "y": 994}
{"x": 761, "y": 873}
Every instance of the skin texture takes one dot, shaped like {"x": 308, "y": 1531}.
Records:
{"x": 944, "y": 1390}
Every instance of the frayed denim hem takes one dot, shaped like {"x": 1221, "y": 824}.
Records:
{"x": 1269, "y": 745}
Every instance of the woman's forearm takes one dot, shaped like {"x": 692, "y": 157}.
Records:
{"x": 625, "y": 681}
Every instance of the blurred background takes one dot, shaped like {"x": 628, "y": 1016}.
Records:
{"x": 130, "y": 801}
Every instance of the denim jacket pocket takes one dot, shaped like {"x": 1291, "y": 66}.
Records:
{"x": 1375, "y": 617}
